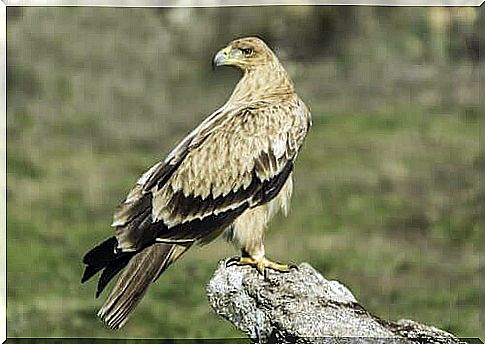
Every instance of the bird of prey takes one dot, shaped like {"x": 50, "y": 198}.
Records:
{"x": 231, "y": 174}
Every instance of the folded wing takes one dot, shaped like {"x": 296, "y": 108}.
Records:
{"x": 236, "y": 159}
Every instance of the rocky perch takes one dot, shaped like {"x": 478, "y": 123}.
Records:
{"x": 302, "y": 307}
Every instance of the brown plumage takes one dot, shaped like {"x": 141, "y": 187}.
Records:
{"x": 231, "y": 174}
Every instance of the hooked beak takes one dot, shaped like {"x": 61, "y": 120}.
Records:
{"x": 220, "y": 59}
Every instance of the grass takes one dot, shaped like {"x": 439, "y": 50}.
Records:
{"x": 386, "y": 198}
{"x": 354, "y": 218}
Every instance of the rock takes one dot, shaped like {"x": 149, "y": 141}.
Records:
{"x": 302, "y": 306}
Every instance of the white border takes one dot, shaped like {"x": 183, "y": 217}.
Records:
{"x": 228, "y": 3}
{"x": 131, "y": 3}
{"x": 3, "y": 172}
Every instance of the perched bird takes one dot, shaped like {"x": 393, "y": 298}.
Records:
{"x": 231, "y": 174}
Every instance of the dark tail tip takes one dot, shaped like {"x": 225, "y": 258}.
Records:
{"x": 89, "y": 272}
{"x": 98, "y": 258}
{"x": 104, "y": 257}
{"x": 102, "y": 253}
{"x": 111, "y": 270}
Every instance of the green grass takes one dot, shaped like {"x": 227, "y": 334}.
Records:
{"x": 386, "y": 196}
{"x": 359, "y": 215}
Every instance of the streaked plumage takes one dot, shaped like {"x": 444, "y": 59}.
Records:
{"x": 232, "y": 174}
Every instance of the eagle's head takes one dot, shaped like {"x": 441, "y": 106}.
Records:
{"x": 244, "y": 53}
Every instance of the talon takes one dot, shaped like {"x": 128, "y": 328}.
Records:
{"x": 265, "y": 274}
{"x": 293, "y": 266}
{"x": 233, "y": 260}
{"x": 261, "y": 268}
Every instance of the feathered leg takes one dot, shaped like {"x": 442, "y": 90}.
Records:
{"x": 247, "y": 233}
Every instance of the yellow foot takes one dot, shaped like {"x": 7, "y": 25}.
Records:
{"x": 261, "y": 265}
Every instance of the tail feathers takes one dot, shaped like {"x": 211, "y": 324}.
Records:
{"x": 90, "y": 271}
{"x": 111, "y": 271}
{"x": 141, "y": 270}
{"x": 104, "y": 256}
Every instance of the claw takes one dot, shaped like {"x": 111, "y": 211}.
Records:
{"x": 232, "y": 261}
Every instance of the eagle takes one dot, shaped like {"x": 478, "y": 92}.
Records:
{"x": 229, "y": 176}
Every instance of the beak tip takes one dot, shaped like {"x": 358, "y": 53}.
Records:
{"x": 219, "y": 59}
{"x": 217, "y": 63}
{"x": 213, "y": 64}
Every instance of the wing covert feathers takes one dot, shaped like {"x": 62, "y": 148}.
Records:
{"x": 245, "y": 147}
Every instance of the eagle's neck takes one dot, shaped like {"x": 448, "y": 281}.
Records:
{"x": 263, "y": 83}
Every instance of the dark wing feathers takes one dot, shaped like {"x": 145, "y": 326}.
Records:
{"x": 192, "y": 205}
{"x": 201, "y": 229}
{"x": 272, "y": 187}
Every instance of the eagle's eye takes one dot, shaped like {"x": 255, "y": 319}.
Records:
{"x": 247, "y": 51}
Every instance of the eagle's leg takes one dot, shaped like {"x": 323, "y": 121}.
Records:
{"x": 247, "y": 234}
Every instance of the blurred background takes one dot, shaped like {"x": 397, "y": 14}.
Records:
{"x": 387, "y": 197}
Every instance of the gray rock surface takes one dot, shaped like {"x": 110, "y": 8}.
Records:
{"x": 302, "y": 306}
